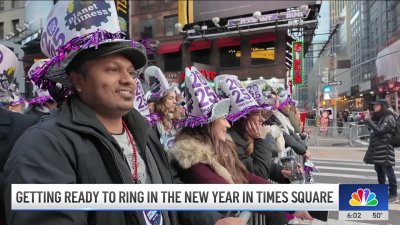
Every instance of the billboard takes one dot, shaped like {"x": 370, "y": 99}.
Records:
{"x": 206, "y": 10}
{"x": 122, "y": 7}
{"x": 298, "y": 61}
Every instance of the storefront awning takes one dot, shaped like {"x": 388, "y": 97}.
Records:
{"x": 228, "y": 41}
{"x": 387, "y": 62}
{"x": 199, "y": 45}
{"x": 261, "y": 38}
{"x": 169, "y": 47}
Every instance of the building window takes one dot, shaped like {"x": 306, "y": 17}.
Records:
{"x": 169, "y": 25}
{"x": 147, "y": 28}
{"x": 263, "y": 53}
{"x": 1, "y": 31}
{"x": 201, "y": 56}
{"x": 17, "y": 3}
{"x": 173, "y": 61}
{"x": 14, "y": 25}
{"x": 230, "y": 56}
{"x": 1, "y": 5}
{"x": 144, "y": 3}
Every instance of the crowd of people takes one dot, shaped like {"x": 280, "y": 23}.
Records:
{"x": 92, "y": 122}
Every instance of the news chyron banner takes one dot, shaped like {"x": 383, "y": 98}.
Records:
{"x": 354, "y": 202}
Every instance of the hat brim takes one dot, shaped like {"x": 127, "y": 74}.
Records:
{"x": 220, "y": 109}
{"x": 382, "y": 103}
{"x": 58, "y": 72}
{"x": 247, "y": 111}
{"x": 159, "y": 95}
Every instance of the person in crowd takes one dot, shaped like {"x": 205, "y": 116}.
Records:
{"x": 340, "y": 121}
{"x": 289, "y": 110}
{"x": 254, "y": 142}
{"x": 12, "y": 124}
{"x": 43, "y": 103}
{"x": 346, "y": 115}
{"x": 203, "y": 148}
{"x": 380, "y": 153}
{"x": 97, "y": 137}
{"x": 291, "y": 138}
{"x": 165, "y": 105}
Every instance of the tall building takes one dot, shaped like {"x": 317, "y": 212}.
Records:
{"x": 251, "y": 48}
{"x": 12, "y": 27}
{"x": 373, "y": 23}
{"x": 366, "y": 28}
{"x": 155, "y": 20}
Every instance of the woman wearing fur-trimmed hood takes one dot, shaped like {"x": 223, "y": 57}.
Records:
{"x": 204, "y": 151}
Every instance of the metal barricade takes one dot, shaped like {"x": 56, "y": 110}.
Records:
{"x": 344, "y": 133}
{"x": 359, "y": 134}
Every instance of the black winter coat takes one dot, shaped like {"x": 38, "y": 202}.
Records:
{"x": 75, "y": 147}
{"x": 380, "y": 150}
{"x": 260, "y": 161}
{"x": 12, "y": 125}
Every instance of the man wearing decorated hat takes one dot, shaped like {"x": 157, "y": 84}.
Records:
{"x": 97, "y": 137}
{"x": 12, "y": 124}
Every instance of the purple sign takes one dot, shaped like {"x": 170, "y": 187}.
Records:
{"x": 248, "y": 20}
{"x": 269, "y": 18}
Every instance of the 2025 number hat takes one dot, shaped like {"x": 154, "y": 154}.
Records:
{"x": 203, "y": 104}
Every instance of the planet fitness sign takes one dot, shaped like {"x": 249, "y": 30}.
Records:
{"x": 70, "y": 19}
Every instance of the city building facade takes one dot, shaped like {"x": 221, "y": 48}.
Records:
{"x": 250, "y": 54}
{"x": 364, "y": 28}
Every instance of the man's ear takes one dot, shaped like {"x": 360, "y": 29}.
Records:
{"x": 76, "y": 80}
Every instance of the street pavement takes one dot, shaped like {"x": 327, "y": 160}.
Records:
{"x": 345, "y": 165}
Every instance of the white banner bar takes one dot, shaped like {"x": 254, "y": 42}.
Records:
{"x": 175, "y": 197}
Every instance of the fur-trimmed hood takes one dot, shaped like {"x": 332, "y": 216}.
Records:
{"x": 189, "y": 152}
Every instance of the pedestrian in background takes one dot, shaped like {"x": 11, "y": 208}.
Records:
{"x": 380, "y": 151}
{"x": 340, "y": 121}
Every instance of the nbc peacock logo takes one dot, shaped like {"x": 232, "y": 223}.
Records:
{"x": 363, "y": 197}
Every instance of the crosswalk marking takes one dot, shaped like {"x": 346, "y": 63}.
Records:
{"x": 340, "y": 169}
{"x": 343, "y": 175}
{"x": 341, "y": 163}
{"x": 337, "y": 160}
{"x": 349, "y": 169}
